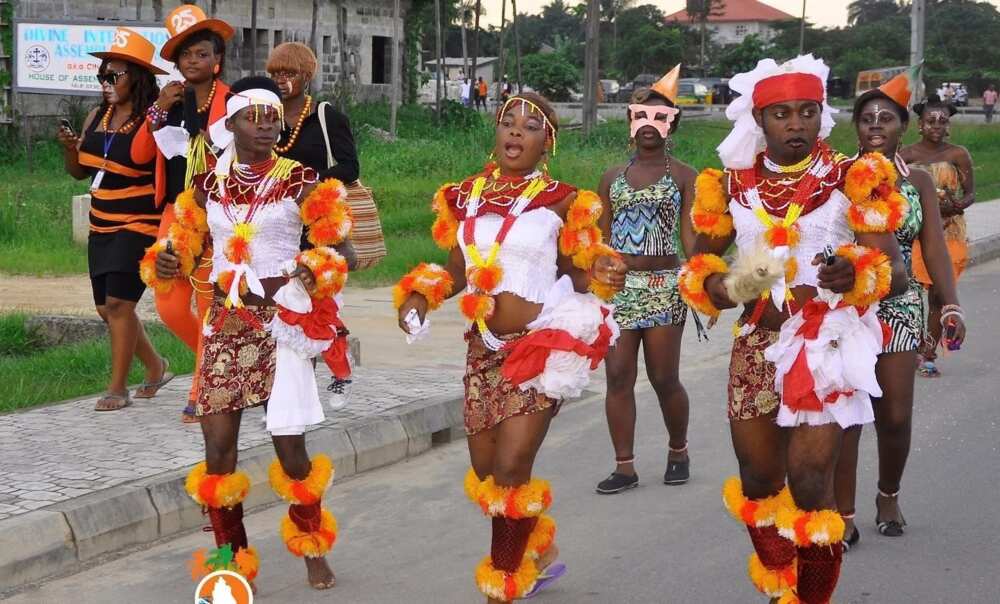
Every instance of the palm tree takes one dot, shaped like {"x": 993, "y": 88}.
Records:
{"x": 466, "y": 12}
{"x": 475, "y": 42}
{"x": 611, "y": 8}
{"x": 866, "y": 11}
{"x": 700, "y": 11}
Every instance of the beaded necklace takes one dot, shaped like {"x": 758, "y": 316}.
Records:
{"x": 123, "y": 129}
{"x": 211, "y": 96}
{"x": 486, "y": 274}
{"x": 294, "y": 135}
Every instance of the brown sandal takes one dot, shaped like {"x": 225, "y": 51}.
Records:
{"x": 102, "y": 403}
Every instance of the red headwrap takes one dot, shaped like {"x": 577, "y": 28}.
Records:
{"x": 787, "y": 87}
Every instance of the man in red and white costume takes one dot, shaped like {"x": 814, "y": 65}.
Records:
{"x": 812, "y": 266}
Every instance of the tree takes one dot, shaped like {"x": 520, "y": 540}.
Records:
{"x": 647, "y": 45}
{"x": 550, "y": 74}
{"x": 699, "y": 11}
{"x": 737, "y": 58}
{"x": 867, "y": 11}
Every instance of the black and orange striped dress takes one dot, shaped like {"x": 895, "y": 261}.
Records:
{"x": 124, "y": 218}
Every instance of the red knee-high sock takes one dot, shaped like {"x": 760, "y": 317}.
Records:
{"x": 227, "y": 525}
{"x": 510, "y": 538}
{"x": 775, "y": 552}
{"x": 819, "y": 569}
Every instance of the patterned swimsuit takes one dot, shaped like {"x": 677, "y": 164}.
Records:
{"x": 644, "y": 223}
{"x": 904, "y": 313}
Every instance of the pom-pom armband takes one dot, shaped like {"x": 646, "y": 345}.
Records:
{"x": 445, "y": 227}
{"x": 326, "y": 213}
{"x": 431, "y": 281}
{"x": 872, "y": 274}
{"x": 710, "y": 214}
{"x": 523, "y": 501}
{"x": 581, "y": 239}
{"x": 186, "y": 237}
{"x": 217, "y": 490}
{"x": 876, "y": 205}
{"x": 691, "y": 282}
{"x": 307, "y": 491}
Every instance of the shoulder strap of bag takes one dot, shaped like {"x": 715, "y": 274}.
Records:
{"x": 321, "y": 113}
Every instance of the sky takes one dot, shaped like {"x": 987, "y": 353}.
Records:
{"x": 825, "y": 13}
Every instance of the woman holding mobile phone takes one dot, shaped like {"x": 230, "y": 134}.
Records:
{"x": 117, "y": 153}
{"x": 187, "y": 121}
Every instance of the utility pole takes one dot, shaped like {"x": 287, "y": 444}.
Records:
{"x": 802, "y": 30}
{"x": 395, "y": 68}
{"x": 590, "y": 66}
{"x": 253, "y": 37}
{"x": 475, "y": 50}
{"x": 437, "y": 27}
{"x": 517, "y": 46}
{"x": 500, "y": 78}
{"x": 918, "y": 13}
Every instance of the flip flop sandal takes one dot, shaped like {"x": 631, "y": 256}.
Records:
{"x": 124, "y": 398}
{"x": 928, "y": 369}
{"x": 188, "y": 415}
{"x": 143, "y": 391}
{"x": 549, "y": 575}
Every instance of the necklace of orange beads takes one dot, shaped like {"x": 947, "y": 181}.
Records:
{"x": 124, "y": 128}
{"x": 298, "y": 127}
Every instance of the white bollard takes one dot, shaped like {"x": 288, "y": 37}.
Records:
{"x": 81, "y": 218}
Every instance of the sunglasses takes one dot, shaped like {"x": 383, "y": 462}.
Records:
{"x": 284, "y": 75}
{"x": 111, "y": 77}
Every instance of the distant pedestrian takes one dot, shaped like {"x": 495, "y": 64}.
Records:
{"x": 482, "y": 90}
{"x": 949, "y": 93}
{"x": 989, "y": 101}
{"x": 961, "y": 96}
{"x": 466, "y": 92}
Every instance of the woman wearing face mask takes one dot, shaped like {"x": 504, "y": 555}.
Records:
{"x": 272, "y": 308}
{"x": 187, "y": 121}
{"x": 802, "y": 369}
{"x": 881, "y": 118}
{"x": 950, "y": 166}
{"x": 117, "y": 153}
{"x": 645, "y": 203}
{"x": 521, "y": 245}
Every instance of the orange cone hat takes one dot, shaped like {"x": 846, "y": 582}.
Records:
{"x": 667, "y": 85}
{"x": 900, "y": 87}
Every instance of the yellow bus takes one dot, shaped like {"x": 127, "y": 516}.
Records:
{"x": 873, "y": 78}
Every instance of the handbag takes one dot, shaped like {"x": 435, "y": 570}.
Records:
{"x": 366, "y": 237}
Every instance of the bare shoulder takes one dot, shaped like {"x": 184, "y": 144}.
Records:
{"x": 920, "y": 179}
{"x": 681, "y": 172}
{"x": 612, "y": 173}
{"x": 958, "y": 153}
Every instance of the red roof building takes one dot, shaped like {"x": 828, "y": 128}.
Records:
{"x": 739, "y": 19}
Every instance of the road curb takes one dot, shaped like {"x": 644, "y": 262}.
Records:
{"x": 62, "y": 537}
{"x": 984, "y": 249}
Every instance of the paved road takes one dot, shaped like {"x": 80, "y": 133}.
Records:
{"x": 408, "y": 534}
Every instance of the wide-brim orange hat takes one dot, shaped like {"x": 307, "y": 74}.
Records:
{"x": 186, "y": 20}
{"x": 129, "y": 45}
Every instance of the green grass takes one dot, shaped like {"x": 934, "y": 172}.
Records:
{"x": 35, "y": 221}
{"x": 33, "y": 376}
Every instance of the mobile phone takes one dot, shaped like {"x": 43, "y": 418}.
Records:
{"x": 170, "y": 247}
{"x": 828, "y": 255}
{"x": 65, "y": 124}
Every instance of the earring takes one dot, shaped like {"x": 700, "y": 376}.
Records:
{"x": 630, "y": 147}
{"x": 668, "y": 145}
{"x": 215, "y": 70}
{"x": 545, "y": 166}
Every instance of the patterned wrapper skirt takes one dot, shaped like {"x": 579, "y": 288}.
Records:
{"x": 751, "y": 376}
{"x": 489, "y": 397}
{"x": 237, "y": 362}
{"x": 649, "y": 299}
{"x": 904, "y": 314}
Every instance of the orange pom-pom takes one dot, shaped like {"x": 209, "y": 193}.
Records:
{"x": 189, "y": 214}
{"x": 781, "y": 235}
{"x": 477, "y": 306}
{"x": 502, "y": 585}
{"x": 872, "y": 274}
{"x": 217, "y": 490}
{"x": 147, "y": 269}
{"x": 237, "y": 250}
{"x": 327, "y": 214}
{"x": 485, "y": 278}
{"x": 311, "y": 544}
{"x": 710, "y": 223}
{"x": 585, "y": 210}
{"x": 876, "y": 206}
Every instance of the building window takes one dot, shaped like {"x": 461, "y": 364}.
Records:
{"x": 279, "y": 37}
{"x": 381, "y": 59}
{"x": 327, "y": 44}
{"x": 741, "y": 31}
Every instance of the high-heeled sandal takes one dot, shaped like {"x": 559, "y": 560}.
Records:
{"x": 889, "y": 528}
{"x": 850, "y": 540}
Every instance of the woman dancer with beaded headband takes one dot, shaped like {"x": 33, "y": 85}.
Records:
{"x": 187, "y": 122}
{"x": 272, "y": 310}
{"x": 881, "y": 118}
{"x": 813, "y": 263}
{"x": 643, "y": 221}
{"x": 950, "y": 166}
{"x": 521, "y": 245}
